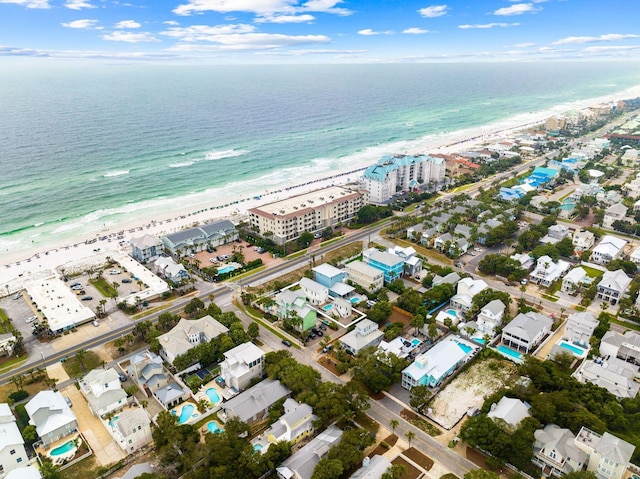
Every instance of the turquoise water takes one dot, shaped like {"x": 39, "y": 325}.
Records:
{"x": 213, "y": 427}
{"x": 466, "y": 348}
{"x": 63, "y": 449}
{"x": 213, "y": 395}
{"x": 88, "y": 147}
{"x": 257, "y": 447}
{"x": 510, "y": 352}
{"x": 355, "y": 300}
{"x": 479, "y": 340}
{"x": 185, "y": 413}
{"x": 452, "y": 312}
{"x": 113, "y": 420}
{"x": 574, "y": 349}
{"x": 327, "y": 307}
{"x": 415, "y": 342}
{"x": 226, "y": 269}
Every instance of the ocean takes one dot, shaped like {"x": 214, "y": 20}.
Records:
{"x": 83, "y": 148}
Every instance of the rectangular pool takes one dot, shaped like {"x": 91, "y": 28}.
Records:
{"x": 354, "y": 300}
{"x": 327, "y": 307}
{"x": 512, "y": 353}
{"x": 574, "y": 349}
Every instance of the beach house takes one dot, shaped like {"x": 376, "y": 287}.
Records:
{"x": 291, "y": 304}
{"x": 580, "y": 327}
{"x": 547, "y": 271}
{"x": 555, "y": 234}
{"x": 372, "y": 468}
{"x": 12, "y": 452}
{"x": 490, "y": 317}
{"x": 187, "y": 334}
{"x": 401, "y": 173}
{"x": 613, "y": 374}
{"x": 432, "y": 367}
{"x": 199, "y": 238}
{"x": 392, "y": 266}
{"x": 467, "y": 289}
{"x": 609, "y": 248}
{"x": 613, "y": 286}
{"x": 300, "y": 465}
{"x": 509, "y": 411}
{"x": 51, "y": 415}
{"x": 103, "y": 391}
{"x": 287, "y": 219}
{"x": 362, "y": 274}
{"x": 131, "y": 430}
{"x": 241, "y": 365}
{"x": 293, "y": 426}
{"x": 365, "y": 333}
{"x": 146, "y": 369}
{"x": 608, "y": 456}
{"x": 574, "y": 279}
{"x": 623, "y": 346}
{"x": 412, "y": 264}
{"x": 555, "y": 451}
{"x": 253, "y": 404}
{"x": 315, "y": 293}
{"x": 526, "y": 331}
{"x": 328, "y": 275}
{"x": 166, "y": 267}
{"x": 613, "y": 213}
{"x": 583, "y": 240}
{"x": 146, "y": 248}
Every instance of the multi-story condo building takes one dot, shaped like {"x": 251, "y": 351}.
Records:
{"x": 401, "y": 173}
{"x": 286, "y": 219}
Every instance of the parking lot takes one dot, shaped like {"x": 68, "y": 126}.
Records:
{"x": 18, "y": 311}
{"x": 127, "y": 284}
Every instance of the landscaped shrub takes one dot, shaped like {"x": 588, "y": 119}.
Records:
{"x": 18, "y": 395}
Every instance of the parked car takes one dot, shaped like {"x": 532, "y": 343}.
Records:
{"x": 122, "y": 377}
{"x": 317, "y": 235}
{"x": 192, "y": 255}
{"x": 31, "y": 319}
{"x": 80, "y": 292}
{"x": 74, "y": 285}
{"x": 95, "y": 323}
{"x": 114, "y": 271}
{"x": 87, "y": 298}
{"x": 286, "y": 342}
{"x": 323, "y": 327}
{"x": 327, "y": 348}
{"x": 17, "y": 296}
{"x": 126, "y": 280}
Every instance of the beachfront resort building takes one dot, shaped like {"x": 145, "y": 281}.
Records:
{"x": 368, "y": 277}
{"x": 392, "y": 266}
{"x": 285, "y": 220}
{"x": 12, "y": 452}
{"x": 187, "y": 334}
{"x": 51, "y": 415}
{"x": 241, "y": 365}
{"x": 200, "y": 238}
{"x": 392, "y": 174}
{"x": 146, "y": 248}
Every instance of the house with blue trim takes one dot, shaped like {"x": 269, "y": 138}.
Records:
{"x": 391, "y": 265}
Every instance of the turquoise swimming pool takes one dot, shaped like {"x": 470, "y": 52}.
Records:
{"x": 213, "y": 427}
{"x": 415, "y": 342}
{"x": 213, "y": 395}
{"x": 257, "y": 447}
{"x": 452, "y": 312}
{"x": 327, "y": 307}
{"x": 478, "y": 340}
{"x": 226, "y": 269}
{"x": 355, "y": 299}
{"x": 465, "y": 347}
{"x": 510, "y": 352}
{"x": 185, "y": 413}
{"x": 64, "y": 448}
{"x": 574, "y": 349}
{"x": 112, "y": 421}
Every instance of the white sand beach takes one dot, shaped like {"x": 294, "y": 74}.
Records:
{"x": 21, "y": 265}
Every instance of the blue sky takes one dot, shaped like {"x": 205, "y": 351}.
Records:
{"x": 320, "y": 31}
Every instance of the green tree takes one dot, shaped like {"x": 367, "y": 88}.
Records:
{"x": 380, "y": 312}
{"x": 410, "y": 435}
{"x": 81, "y": 357}
{"x": 48, "y": 470}
{"x": 417, "y": 322}
{"x": 395, "y": 472}
{"x": 394, "y": 424}
{"x": 305, "y": 239}
{"x": 439, "y": 294}
{"x": 565, "y": 247}
{"x": 410, "y": 300}
{"x": 328, "y": 469}
{"x": 419, "y": 397}
{"x": 432, "y": 330}
{"x": 253, "y": 330}
{"x": 377, "y": 371}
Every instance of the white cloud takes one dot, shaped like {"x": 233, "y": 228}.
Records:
{"x": 127, "y": 24}
{"x": 368, "y": 31}
{"x": 433, "y": 11}
{"x": 199, "y": 33}
{"x": 524, "y": 45}
{"x": 517, "y": 9}
{"x": 611, "y": 48}
{"x": 29, "y": 3}
{"x": 262, "y": 8}
{"x": 488, "y": 25}
{"x": 318, "y": 51}
{"x": 171, "y": 22}
{"x": 130, "y": 37}
{"x": 414, "y": 31}
{"x": 85, "y": 24}
{"x": 285, "y": 19}
{"x": 78, "y": 4}
{"x": 609, "y": 37}
{"x": 250, "y": 41}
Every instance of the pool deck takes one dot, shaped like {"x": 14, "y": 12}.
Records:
{"x": 543, "y": 351}
{"x": 178, "y": 410}
{"x": 202, "y": 393}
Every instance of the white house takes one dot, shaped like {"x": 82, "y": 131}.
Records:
{"x": 509, "y": 410}
{"x": 315, "y": 292}
{"x": 369, "y": 278}
{"x": 51, "y": 415}
{"x": 103, "y": 391}
{"x": 555, "y": 451}
{"x": 253, "y": 404}
{"x": 413, "y": 264}
{"x": 301, "y": 464}
{"x": 7, "y": 342}
{"x": 613, "y": 286}
{"x": 614, "y": 213}
{"x": 132, "y": 430}
{"x": 366, "y": 333}
{"x": 146, "y": 248}
{"x": 555, "y": 234}
{"x": 12, "y": 452}
{"x": 635, "y": 256}
{"x": 187, "y": 334}
{"x": 526, "y": 331}
{"x": 624, "y": 346}
{"x": 490, "y": 317}
{"x": 467, "y": 289}
{"x": 583, "y": 240}
{"x": 580, "y": 328}
{"x": 26, "y": 472}
{"x": 167, "y": 267}
{"x": 609, "y": 248}
{"x": 546, "y": 271}
{"x": 614, "y": 375}
{"x": 524, "y": 259}
{"x": 574, "y": 279}
{"x": 608, "y": 456}
{"x": 242, "y": 364}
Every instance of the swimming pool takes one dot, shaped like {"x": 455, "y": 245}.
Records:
{"x": 415, "y": 342}
{"x": 512, "y": 353}
{"x": 185, "y": 413}
{"x": 465, "y": 347}
{"x": 574, "y": 349}
{"x": 112, "y": 421}
{"x": 327, "y": 307}
{"x": 226, "y": 269}
{"x": 452, "y": 312}
{"x": 478, "y": 340}
{"x": 213, "y": 395}
{"x": 355, "y": 299}
{"x": 213, "y": 427}
{"x": 63, "y": 449}
{"x": 257, "y": 447}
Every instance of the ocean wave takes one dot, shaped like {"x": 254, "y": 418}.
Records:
{"x": 219, "y": 155}
{"x": 116, "y": 173}
{"x": 38, "y": 224}
{"x": 181, "y": 165}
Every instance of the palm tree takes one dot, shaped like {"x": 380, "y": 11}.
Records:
{"x": 394, "y": 424}
{"x": 81, "y": 356}
{"x": 410, "y": 435}
{"x": 140, "y": 284}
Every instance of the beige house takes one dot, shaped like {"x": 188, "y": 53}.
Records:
{"x": 242, "y": 364}
{"x": 132, "y": 430}
{"x": 607, "y": 455}
{"x": 187, "y": 334}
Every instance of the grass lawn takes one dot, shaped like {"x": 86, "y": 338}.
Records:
{"x": 592, "y": 272}
{"x": 626, "y": 324}
{"x": 147, "y": 312}
{"x": 550, "y": 297}
{"x": 13, "y": 362}
{"x": 462, "y": 188}
{"x": 5, "y": 322}
{"x": 105, "y": 288}
{"x": 74, "y": 369}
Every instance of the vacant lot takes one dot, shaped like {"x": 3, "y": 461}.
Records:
{"x": 469, "y": 390}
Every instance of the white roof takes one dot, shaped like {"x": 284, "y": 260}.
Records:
{"x": 245, "y": 352}
{"x": 382, "y": 257}
{"x": 528, "y": 326}
{"x": 155, "y": 285}
{"x": 437, "y": 361}
{"x": 29, "y": 472}
{"x": 510, "y": 410}
{"x": 177, "y": 341}
{"x": 374, "y": 468}
{"x": 145, "y": 241}
{"x": 59, "y": 415}
{"x": 325, "y": 269}
{"x": 616, "y": 280}
{"x": 636, "y": 254}
{"x": 575, "y": 275}
{"x": 610, "y": 245}
{"x": 364, "y": 268}
{"x": 9, "y": 435}
{"x": 314, "y": 286}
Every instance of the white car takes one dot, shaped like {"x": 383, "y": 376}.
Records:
{"x": 31, "y": 319}
{"x": 213, "y": 260}
{"x": 114, "y": 271}
{"x": 477, "y": 250}
{"x": 192, "y": 255}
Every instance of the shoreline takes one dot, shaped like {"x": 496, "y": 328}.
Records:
{"x": 29, "y": 261}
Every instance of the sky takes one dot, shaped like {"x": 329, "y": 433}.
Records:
{"x": 320, "y": 31}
